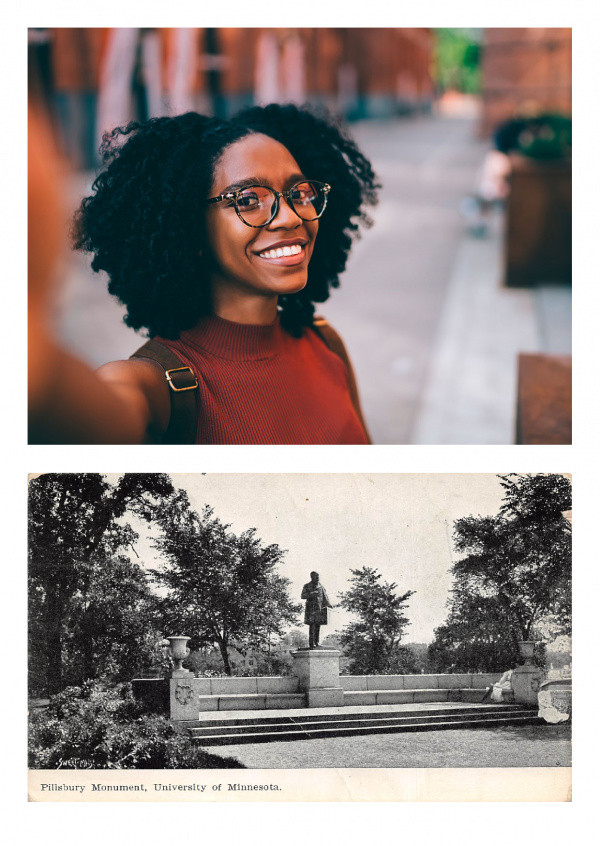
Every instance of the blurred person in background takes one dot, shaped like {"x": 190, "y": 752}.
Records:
{"x": 219, "y": 237}
{"x": 533, "y": 133}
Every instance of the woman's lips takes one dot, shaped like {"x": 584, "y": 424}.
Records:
{"x": 277, "y": 255}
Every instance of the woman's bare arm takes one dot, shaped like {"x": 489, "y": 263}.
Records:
{"x": 124, "y": 402}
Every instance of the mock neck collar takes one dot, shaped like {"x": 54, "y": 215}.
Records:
{"x": 235, "y": 341}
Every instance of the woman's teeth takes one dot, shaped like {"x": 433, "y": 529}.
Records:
{"x": 282, "y": 251}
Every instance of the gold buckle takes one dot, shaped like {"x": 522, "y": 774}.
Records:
{"x": 175, "y": 370}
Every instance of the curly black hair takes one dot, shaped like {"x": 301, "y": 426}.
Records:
{"x": 145, "y": 221}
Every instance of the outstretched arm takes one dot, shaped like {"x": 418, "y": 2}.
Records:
{"x": 125, "y": 402}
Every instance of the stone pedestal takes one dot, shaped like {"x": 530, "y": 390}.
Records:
{"x": 182, "y": 674}
{"x": 183, "y": 698}
{"x": 526, "y": 681}
{"x": 318, "y": 672}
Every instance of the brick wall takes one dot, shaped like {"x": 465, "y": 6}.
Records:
{"x": 349, "y": 69}
{"x": 523, "y": 70}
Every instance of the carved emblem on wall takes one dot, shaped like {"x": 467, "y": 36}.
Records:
{"x": 184, "y": 694}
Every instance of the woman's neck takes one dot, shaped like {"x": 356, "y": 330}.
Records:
{"x": 241, "y": 308}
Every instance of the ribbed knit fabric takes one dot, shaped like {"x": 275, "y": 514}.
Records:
{"x": 260, "y": 385}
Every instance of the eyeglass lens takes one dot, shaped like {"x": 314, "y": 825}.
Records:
{"x": 257, "y": 203}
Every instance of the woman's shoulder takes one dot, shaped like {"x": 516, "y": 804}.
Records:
{"x": 140, "y": 371}
{"x": 322, "y": 326}
{"x": 142, "y": 383}
{"x": 331, "y": 338}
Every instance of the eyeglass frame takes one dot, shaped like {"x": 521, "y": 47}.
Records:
{"x": 233, "y": 195}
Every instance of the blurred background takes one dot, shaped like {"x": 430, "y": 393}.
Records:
{"x": 456, "y": 306}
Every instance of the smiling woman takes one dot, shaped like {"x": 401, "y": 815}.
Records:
{"x": 219, "y": 237}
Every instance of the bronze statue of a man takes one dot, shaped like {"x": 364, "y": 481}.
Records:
{"x": 315, "y": 611}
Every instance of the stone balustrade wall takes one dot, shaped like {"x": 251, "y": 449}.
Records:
{"x": 439, "y": 681}
{"x": 235, "y": 685}
{"x": 190, "y": 695}
{"x": 289, "y": 684}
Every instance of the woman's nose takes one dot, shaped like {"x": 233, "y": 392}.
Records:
{"x": 285, "y": 217}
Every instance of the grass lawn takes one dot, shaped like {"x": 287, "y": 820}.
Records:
{"x": 507, "y": 746}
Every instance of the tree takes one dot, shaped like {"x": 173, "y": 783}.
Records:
{"x": 113, "y": 626}
{"x": 77, "y": 528}
{"x": 476, "y": 637}
{"x": 514, "y": 577}
{"x": 223, "y": 589}
{"x": 457, "y": 60}
{"x": 295, "y": 639}
{"x": 373, "y": 642}
{"x": 420, "y": 654}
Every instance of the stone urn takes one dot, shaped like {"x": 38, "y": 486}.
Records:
{"x": 179, "y": 652}
{"x": 526, "y": 649}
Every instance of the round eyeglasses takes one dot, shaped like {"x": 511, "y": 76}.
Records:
{"x": 257, "y": 205}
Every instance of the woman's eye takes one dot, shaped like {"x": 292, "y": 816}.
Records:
{"x": 302, "y": 196}
{"x": 248, "y": 201}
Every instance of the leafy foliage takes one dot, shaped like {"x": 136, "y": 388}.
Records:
{"x": 113, "y": 627}
{"x": 90, "y": 609}
{"x": 373, "y": 642}
{"x": 223, "y": 589}
{"x": 420, "y": 654}
{"x": 295, "y": 639}
{"x": 99, "y": 727}
{"x": 547, "y": 136}
{"x": 477, "y": 637}
{"x": 209, "y": 663}
{"x": 457, "y": 60}
{"x": 515, "y": 576}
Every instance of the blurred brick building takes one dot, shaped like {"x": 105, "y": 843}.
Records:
{"x": 524, "y": 71}
{"x": 360, "y": 73}
{"x": 97, "y": 78}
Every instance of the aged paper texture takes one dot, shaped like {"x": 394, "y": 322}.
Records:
{"x": 401, "y": 528}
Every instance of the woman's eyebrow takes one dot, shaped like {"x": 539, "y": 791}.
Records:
{"x": 260, "y": 180}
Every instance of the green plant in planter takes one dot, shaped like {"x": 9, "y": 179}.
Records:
{"x": 546, "y": 137}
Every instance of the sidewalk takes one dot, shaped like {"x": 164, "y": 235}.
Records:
{"x": 471, "y": 388}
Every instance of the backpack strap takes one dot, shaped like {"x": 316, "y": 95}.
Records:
{"x": 183, "y": 383}
{"x": 333, "y": 341}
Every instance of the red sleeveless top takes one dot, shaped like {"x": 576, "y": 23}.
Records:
{"x": 260, "y": 385}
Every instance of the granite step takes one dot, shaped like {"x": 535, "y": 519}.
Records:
{"x": 349, "y": 713}
{"x": 306, "y": 732}
{"x": 345, "y": 713}
{"x": 236, "y": 729}
{"x": 366, "y": 721}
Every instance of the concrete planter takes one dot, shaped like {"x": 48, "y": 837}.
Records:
{"x": 538, "y": 242}
{"x": 179, "y": 652}
{"x": 526, "y": 650}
